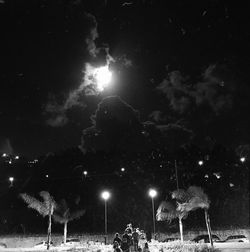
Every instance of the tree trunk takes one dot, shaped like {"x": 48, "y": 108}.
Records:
{"x": 65, "y": 232}
{"x": 208, "y": 227}
{"x": 49, "y": 232}
{"x": 181, "y": 228}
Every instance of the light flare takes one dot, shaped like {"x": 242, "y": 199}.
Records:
{"x": 103, "y": 77}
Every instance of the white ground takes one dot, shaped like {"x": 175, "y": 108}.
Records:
{"x": 153, "y": 247}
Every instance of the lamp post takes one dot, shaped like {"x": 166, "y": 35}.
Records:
{"x": 152, "y": 193}
{"x": 11, "y": 179}
{"x": 105, "y": 195}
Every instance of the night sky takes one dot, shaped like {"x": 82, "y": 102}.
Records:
{"x": 181, "y": 62}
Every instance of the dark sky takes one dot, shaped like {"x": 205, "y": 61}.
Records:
{"x": 184, "y": 62}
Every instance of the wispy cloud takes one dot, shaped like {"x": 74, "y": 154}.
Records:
{"x": 214, "y": 90}
{"x": 57, "y": 111}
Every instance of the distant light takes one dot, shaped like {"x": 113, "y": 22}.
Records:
{"x": 11, "y": 179}
{"x": 242, "y": 159}
{"x": 47, "y": 176}
{"x": 105, "y": 195}
{"x": 4, "y": 155}
{"x": 206, "y": 176}
{"x": 231, "y": 184}
{"x": 35, "y": 160}
{"x": 16, "y": 157}
{"x": 85, "y": 173}
{"x": 10, "y": 162}
{"x": 123, "y": 169}
{"x": 152, "y": 193}
{"x": 217, "y": 175}
{"x": 200, "y": 162}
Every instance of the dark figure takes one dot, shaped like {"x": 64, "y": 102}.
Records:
{"x": 116, "y": 247}
{"x": 129, "y": 228}
{"x": 125, "y": 242}
{"x": 146, "y": 248}
{"x": 117, "y": 239}
{"x": 148, "y": 235}
{"x": 135, "y": 239}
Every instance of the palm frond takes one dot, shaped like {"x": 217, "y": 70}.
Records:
{"x": 198, "y": 193}
{"x": 197, "y": 199}
{"x": 76, "y": 214}
{"x": 180, "y": 195}
{"x": 166, "y": 212}
{"x": 62, "y": 209}
{"x": 63, "y": 213}
{"x": 49, "y": 201}
{"x": 59, "y": 219}
{"x": 35, "y": 204}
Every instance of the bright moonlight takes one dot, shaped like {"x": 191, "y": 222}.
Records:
{"x": 103, "y": 77}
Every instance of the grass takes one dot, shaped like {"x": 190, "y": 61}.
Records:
{"x": 178, "y": 246}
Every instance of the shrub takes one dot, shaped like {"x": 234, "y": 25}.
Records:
{"x": 178, "y": 246}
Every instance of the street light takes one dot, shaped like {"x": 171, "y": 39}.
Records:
{"x": 200, "y": 162}
{"x": 105, "y": 195}
{"x": 242, "y": 159}
{"x": 152, "y": 193}
{"x": 11, "y": 179}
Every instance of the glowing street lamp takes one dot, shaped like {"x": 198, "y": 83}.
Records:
{"x": 85, "y": 173}
{"x": 11, "y": 179}
{"x": 105, "y": 195}
{"x": 152, "y": 193}
{"x": 200, "y": 162}
{"x": 242, "y": 159}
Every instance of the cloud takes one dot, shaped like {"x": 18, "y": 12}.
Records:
{"x": 92, "y": 36}
{"x": 57, "y": 120}
{"x": 214, "y": 90}
{"x": 176, "y": 91}
{"x": 125, "y": 61}
{"x": 57, "y": 110}
{"x": 117, "y": 127}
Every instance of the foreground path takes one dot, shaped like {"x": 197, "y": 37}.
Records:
{"x": 232, "y": 247}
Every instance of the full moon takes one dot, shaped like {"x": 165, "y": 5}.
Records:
{"x": 103, "y": 77}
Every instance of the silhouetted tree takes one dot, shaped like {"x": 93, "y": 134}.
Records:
{"x": 167, "y": 210}
{"x": 45, "y": 208}
{"x": 63, "y": 215}
{"x": 195, "y": 199}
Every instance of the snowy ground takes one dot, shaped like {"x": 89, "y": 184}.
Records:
{"x": 154, "y": 246}
{"x": 233, "y": 246}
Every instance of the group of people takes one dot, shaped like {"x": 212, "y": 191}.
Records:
{"x": 132, "y": 240}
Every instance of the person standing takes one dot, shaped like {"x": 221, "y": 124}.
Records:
{"x": 135, "y": 239}
{"x": 148, "y": 235}
{"x": 116, "y": 247}
{"x": 117, "y": 239}
{"x": 146, "y": 248}
{"x": 125, "y": 242}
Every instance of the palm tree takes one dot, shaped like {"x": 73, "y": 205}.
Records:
{"x": 168, "y": 211}
{"x": 45, "y": 208}
{"x": 63, "y": 215}
{"x": 197, "y": 199}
